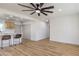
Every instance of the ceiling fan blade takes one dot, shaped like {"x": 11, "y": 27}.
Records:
{"x": 38, "y": 14}
{"x": 27, "y": 10}
{"x": 50, "y": 7}
{"x": 44, "y": 13}
{"x": 32, "y": 13}
{"x": 25, "y": 6}
{"x": 41, "y": 4}
{"x": 33, "y": 5}
{"x": 48, "y": 11}
{"x": 37, "y": 5}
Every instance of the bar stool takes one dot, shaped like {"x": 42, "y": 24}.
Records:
{"x": 5, "y": 37}
{"x": 17, "y": 36}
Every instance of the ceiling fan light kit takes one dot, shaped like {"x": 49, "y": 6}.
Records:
{"x": 38, "y": 8}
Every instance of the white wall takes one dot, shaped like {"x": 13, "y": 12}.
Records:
{"x": 27, "y": 31}
{"x": 64, "y": 25}
{"x": 36, "y": 30}
{"x": 39, "y": 30}
{"x": 65, "y": 29}
{"x": 18, "y": 28}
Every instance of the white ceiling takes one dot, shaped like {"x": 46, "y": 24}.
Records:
{"x": 60, "y": 9}
{"x": 16, "y": 8}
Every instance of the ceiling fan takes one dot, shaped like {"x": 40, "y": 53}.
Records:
{"x": 38, "y": 8}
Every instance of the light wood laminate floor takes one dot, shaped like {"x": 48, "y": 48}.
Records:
{"x": 40, "y": 48}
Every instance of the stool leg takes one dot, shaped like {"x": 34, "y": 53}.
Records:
{"x": 9, "y": 43}
{"x": 19, "y": 40}
{"x": 1, "y": 44}
{"x": 13, "y": 41}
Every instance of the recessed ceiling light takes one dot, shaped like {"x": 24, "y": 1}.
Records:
{"x": 59, "y": 10}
